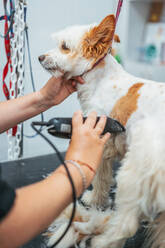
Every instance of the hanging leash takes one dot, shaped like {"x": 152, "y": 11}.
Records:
{"x": 120, "y": 3}
{"x": 8, "y": 33}
{"x": 8, "y": 17}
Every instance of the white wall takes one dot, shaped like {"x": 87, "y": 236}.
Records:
{"x": 45, "y": 17}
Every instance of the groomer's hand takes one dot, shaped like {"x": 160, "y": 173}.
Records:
{"x": 57, "y": 90}
{"x": 87, "y": 144}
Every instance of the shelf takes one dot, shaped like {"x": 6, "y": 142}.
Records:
{"x": 135, "y": 15}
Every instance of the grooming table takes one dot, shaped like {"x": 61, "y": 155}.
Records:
{"x": 26, "y": 171}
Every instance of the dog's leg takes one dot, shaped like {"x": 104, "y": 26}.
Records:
{"x": 125, "y": 219}
{"x": 101, "y": 184}
{"x": 115, "y": 148}
{"x": 99, "y": 196}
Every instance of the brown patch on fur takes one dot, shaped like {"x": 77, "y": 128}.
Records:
{"x": 114, "y": 86}
{"x": 97, "y": 41}
{"x": 126, "y": 105}
{"x": 74, "y": 55}
{"x": 116, "y": 38}
{"x": 78, "y": 218}
{"x": 64, "y": 49}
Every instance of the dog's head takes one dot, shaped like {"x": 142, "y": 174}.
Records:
{"x": 78, "y": 48}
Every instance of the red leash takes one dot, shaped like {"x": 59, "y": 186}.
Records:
{"x": 120, "y": 3}
{"x": 6, "y": 68}
{"x": 8, "y": 64}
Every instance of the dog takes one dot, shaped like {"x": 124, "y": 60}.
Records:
{"x": 139, "y": 105}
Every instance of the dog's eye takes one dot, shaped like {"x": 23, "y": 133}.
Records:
{"x": 64, "y": 47}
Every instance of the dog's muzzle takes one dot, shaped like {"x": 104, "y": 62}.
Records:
{"x": 49, "y": 65}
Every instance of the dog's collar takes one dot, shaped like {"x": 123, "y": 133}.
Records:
{"x": 97, "y": 62}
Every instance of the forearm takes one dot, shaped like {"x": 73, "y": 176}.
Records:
{"x": 17, "y": 110}
{"x": 36, "y": 207}
{"x": 55, "y": 91}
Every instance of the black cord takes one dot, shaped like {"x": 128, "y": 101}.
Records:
{"x": 29, "y": 57}
{"x": 31, "y": 75}
{"x": 68, "y": 174}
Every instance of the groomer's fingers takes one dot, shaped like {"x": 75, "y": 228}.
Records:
{"x": 79, "y": 80}
{"x": 74, "y": 84}
{"x": 105, "y": 137}
{"x": 101, "y": 124}
{"x": 77, "y": 119}
{"x": 70, "y": 86}
{"x": 91, "y": 120}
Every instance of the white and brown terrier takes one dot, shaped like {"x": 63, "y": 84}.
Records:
{"x": 136, "y": 103}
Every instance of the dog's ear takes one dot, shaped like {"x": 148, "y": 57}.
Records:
{"x": 116, "y": 38}
{"x": 98, "y": 40}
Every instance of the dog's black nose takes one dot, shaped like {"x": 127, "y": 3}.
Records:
{"x": 41, "y": 58}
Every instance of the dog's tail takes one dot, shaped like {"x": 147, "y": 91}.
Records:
{"x": 156, "y": 234}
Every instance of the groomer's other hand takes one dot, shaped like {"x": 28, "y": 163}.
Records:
{"x": 57, "y": 90}
{"x": 87, "y": 144}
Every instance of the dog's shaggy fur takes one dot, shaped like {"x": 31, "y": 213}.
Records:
{"x": 139, "y": 105}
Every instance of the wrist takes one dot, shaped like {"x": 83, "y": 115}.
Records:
{"x": 77, "y": 177}
{"x": 42, "y": 102}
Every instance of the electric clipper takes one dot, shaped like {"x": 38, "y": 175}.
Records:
{"x": 62, "y": 127}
